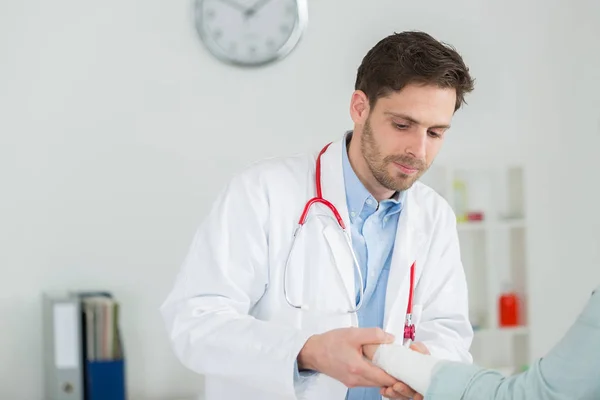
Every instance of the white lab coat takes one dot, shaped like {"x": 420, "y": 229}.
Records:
{"x": 227, "y": 316}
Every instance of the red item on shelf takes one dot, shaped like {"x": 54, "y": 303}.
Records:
{"x": 475, "y": 216}
{"x": 508, "y": 305}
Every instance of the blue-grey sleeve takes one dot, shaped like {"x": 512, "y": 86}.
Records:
{"x": 570, "y": 371}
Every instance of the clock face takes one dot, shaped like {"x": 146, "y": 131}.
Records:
{"x": 250, "y": 32}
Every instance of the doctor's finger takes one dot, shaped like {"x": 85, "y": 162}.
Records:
{"x": 372, "y": 336}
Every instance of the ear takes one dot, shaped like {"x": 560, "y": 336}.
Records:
{"x": 359, "y": 107}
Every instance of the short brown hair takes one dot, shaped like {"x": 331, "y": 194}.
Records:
{"x": 412, "y": 57}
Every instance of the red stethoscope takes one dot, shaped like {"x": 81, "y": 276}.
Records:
{"x": 409, "y": 327}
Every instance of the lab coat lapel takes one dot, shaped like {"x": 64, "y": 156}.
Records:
{"x": 334, "y": 190}
{"x": 408, "y": 245}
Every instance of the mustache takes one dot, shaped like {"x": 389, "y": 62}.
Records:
{"x": 408, "y": 161}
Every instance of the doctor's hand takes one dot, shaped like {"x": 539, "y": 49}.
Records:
{"x": 339, "y": 354}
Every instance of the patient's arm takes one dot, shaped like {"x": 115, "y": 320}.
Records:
{"x": 570, "y": 371}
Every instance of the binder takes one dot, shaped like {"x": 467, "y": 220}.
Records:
{"x": 83, "y": 347}
{"x": 105, "y": 380}
{"x": 104, "y": 363}
{"x": 63, "y": 377}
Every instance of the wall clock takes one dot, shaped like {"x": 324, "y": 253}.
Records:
{"x": 250, "y": 32}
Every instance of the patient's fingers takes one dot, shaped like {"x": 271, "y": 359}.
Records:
{"x": 403, "y": 389}
{"x": 420, "y": 347}
{"x": 399, "y": 391}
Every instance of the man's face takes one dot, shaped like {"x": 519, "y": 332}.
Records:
{"x": 403, "y": 133}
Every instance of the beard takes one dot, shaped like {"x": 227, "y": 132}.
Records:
{"x": 380, "y": 166}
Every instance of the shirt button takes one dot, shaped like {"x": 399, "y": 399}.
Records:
{"x": 369, "y": 201}
{"x": 353, "y": 213}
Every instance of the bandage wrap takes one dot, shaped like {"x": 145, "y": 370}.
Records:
{"x": 406, "y": 365}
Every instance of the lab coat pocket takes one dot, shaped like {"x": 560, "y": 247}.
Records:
{"x": 327, "y": 278}
{"x": 341, "y": 269}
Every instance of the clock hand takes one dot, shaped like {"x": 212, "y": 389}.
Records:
{"x": 255, "y": 8}
{"x": 235, "y": 5}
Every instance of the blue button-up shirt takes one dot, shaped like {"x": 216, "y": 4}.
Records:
{"x": 373, "y": 227}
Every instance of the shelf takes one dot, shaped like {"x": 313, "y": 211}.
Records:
{"x": 471, "y": 226}
{"x": 481, "y": 225}
{"x": 518, "y": 330}
{"x": 498, "y": 192}
{"x": 512, "y": 223}
{"x": 493, "y": 252}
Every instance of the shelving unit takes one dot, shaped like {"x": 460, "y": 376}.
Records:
{"x": 493, "y": 252}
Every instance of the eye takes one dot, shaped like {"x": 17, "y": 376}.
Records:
{"x": 401, "y": 126}
{"x": 435, "y": 135}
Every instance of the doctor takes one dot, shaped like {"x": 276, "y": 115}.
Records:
{"x": 269, "y": 309}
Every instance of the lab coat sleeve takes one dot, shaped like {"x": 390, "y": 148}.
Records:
{"x": 224, "y": 274}
{"x": 444, "y": 326}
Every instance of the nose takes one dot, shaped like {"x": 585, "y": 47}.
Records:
{"x": 417, "y": 145}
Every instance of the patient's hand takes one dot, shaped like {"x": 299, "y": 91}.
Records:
{"x": 400, "y": 391}
{"x": 420, "y": 347}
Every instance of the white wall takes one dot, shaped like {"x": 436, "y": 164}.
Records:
{"x": 117, "y": 128}
{"x": 563, "y": 144}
